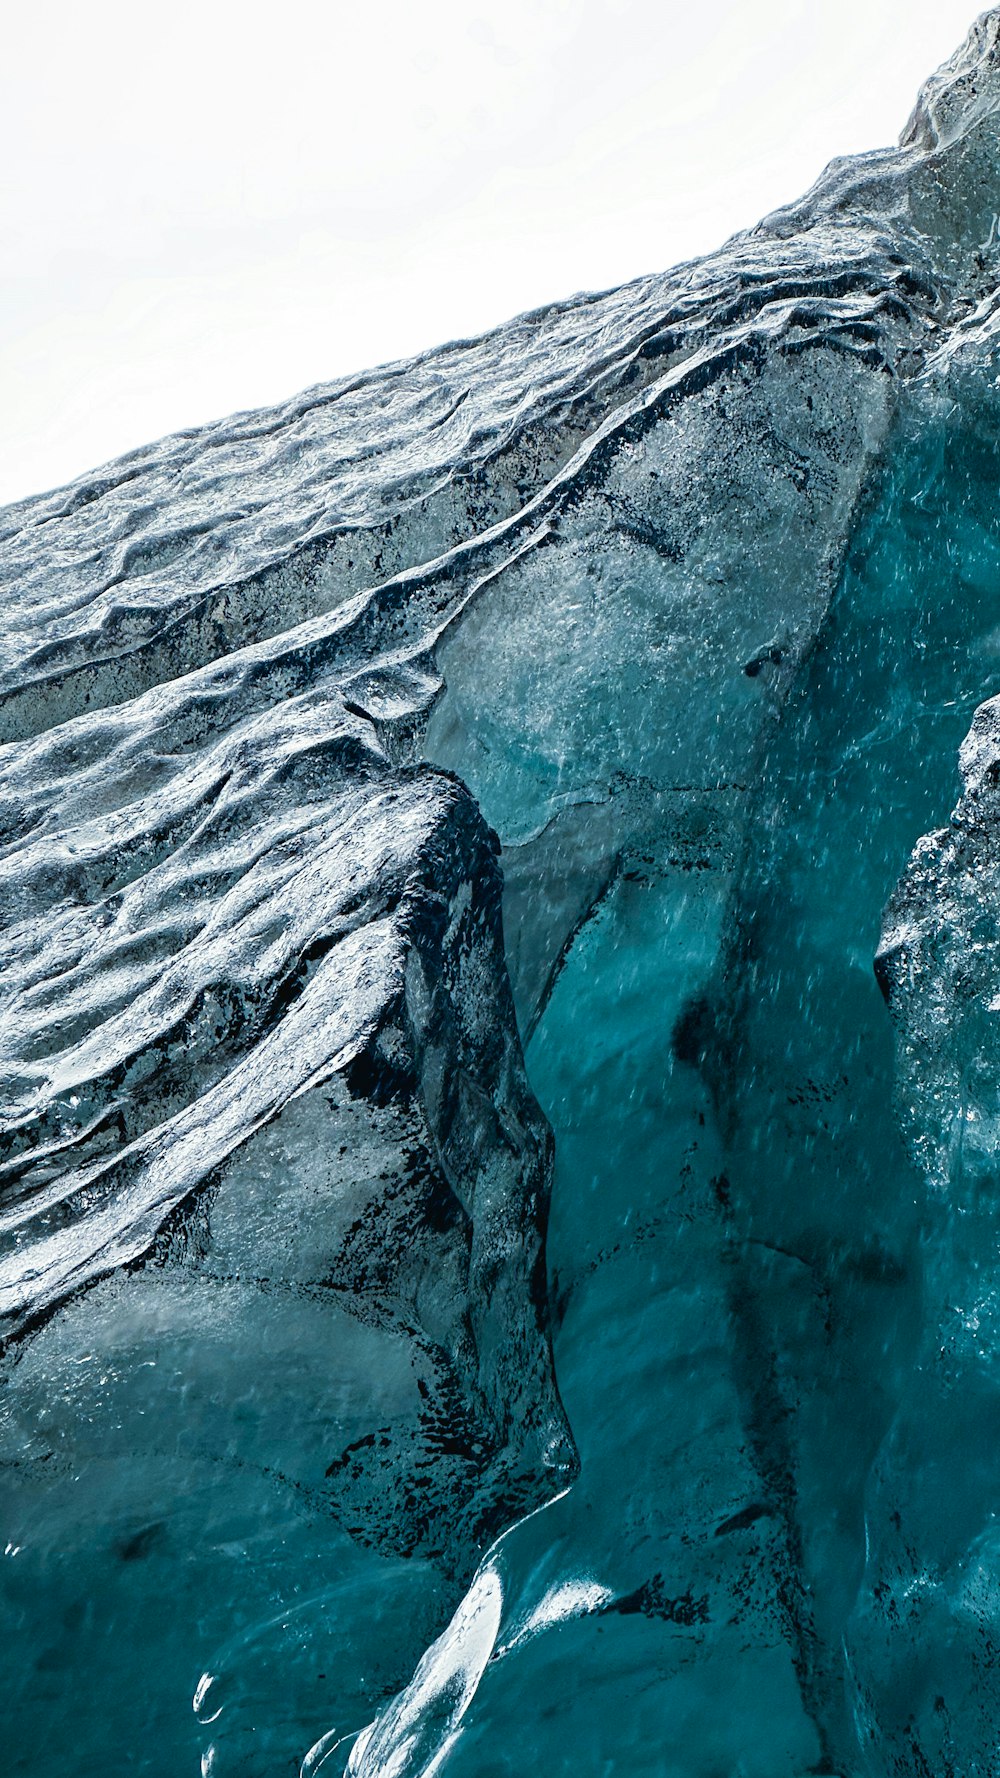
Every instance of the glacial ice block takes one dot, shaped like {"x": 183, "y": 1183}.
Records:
{"x": 522, "y": 740}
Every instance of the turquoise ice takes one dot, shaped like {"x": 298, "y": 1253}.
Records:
{"x": 498, "y": 979}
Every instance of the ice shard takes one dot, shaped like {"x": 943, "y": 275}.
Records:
{"x": 445, "y": 829}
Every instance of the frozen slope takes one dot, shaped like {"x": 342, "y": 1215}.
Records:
{"x": 585, "y": 686}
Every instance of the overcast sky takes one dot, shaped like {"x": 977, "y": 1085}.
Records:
{"x": 207, "y": 206}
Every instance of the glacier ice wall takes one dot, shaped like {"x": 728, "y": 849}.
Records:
{"x": 445, "y": 824}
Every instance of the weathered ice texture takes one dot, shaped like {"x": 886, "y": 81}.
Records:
{"x": 933, "y": 1569}
{"x": 584, "y": 687}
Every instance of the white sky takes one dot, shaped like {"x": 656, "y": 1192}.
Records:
{"x": 207, "y": 205}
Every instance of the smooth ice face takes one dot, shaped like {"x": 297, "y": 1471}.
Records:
{"x": 584, "y": 687}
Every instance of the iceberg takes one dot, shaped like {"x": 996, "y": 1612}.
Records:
{"x": 496, "y": 1227}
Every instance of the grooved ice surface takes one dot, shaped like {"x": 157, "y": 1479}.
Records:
{"x": 584, "y": 687}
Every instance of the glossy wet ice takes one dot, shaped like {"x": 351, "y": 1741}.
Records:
{"x": 653, "y": 624}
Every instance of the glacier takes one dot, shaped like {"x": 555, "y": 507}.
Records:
{"x": 500, "y": 870}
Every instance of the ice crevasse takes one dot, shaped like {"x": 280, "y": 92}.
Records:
{"x": 499, "y": 1047}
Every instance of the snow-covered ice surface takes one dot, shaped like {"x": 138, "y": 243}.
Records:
{"x": 445, "y": 824}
